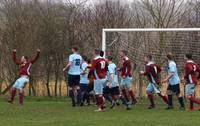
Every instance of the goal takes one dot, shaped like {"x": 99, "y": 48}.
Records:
{"x": 155, "y": 41}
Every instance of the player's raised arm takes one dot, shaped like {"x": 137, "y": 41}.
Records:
{"x": 15, "y": 57}
{"x": 36, "y": 57}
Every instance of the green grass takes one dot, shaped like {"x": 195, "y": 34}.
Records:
{"x": 58, "y": 112}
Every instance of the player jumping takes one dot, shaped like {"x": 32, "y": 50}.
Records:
{"x": 25, "y": 65}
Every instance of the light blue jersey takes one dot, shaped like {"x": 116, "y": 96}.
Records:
{"x": 173, "y": 69}
{"x": 112, "y": 69}
{"x": 75, "y": 68}
{"x": 84, "y": 77}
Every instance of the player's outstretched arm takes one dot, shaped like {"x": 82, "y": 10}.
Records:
{"x": 15, "y": 57}
{"x": 36, "y": 57}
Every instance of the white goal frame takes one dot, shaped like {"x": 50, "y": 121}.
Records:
{"x": 105, "y": 30}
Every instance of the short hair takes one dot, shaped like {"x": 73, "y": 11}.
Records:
{"x": 125, "y": 52}
{"x": 84, "y": 57}
{"x": 97, "y": 51}
{"x": 101, "y": 53}
{"x": 75, "y": 48}
{"x": 110, "y": 58}
{"x": 170, "y": 56}
{"x": 149, "y": 57}
{"x": 188, "y": 55}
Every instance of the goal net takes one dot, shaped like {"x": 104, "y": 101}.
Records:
{"x": 157, "y": 42}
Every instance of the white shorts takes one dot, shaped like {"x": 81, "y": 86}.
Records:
{"x": 99, "y": 84}
{"x": 20, "y": 82}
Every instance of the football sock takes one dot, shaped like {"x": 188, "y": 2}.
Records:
{"x": 132, "y": 96}
{"x": 79, "y": 96}
{"x": 13, "y": 93}
{"x": 21, "y": 98}
{"x": 194, "y": 100}
{"x": 181, "y": 102}
{"x": 107, "y": 97}
{"x": 164, "y": 98}
{"x": 101, "y": 102}
{"x": 150, "y": 97}
{"x": 124, "y": 101}
{"x": 170, "y": 103}
{"x": 71, "y": 95}
{"x": 125, "y": 94}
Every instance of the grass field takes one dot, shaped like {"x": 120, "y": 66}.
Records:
{"x": 58, "y": 112}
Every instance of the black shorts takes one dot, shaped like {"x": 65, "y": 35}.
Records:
{"x": 73, "y": 80}
{"x": 106, "y": 90}
{"x": 115, "y": 91}
{"x": 84, "y": 87}
{"x": 174, "y": 89}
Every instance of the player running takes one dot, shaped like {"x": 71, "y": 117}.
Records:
{"x": 25, "y": 65}
{"x": 191, "y": 77}
{"x": 113, "y": 84}
{"x": 74, "y": 72}
{"x": 173, "y": 84}
{"x": 152, "y": 71}
{"x": 126, "y": 76}
{"x": 99, "y": 71}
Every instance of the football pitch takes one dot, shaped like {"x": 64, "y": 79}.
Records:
{"x": 58, "y": 112}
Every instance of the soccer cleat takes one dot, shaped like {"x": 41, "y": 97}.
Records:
{"x": 128, "y": 107}
{"x": 151, "y": 107}
{"x": 169, "y": 108}
{"x": 199, "y": 107}
{"x": 181, "y": 108}
{"x": 133, "y": 102}
{"x": 10, "y": 101}
{"x": 99, "y": 110}
{"x": 190, "y": 109}
{"x": 112, "y": 105}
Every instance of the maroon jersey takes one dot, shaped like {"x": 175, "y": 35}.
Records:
{"x": 99, "y": 68}
{"x": 24, "y": 66}
{"x": 191, "y": 72}
{"x": 152, "y": 71}
{"x": 126, "y": 69}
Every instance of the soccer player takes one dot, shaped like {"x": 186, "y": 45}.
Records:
{"x": 173, "y": 84}
{"x": 126, "y": 75}
{"x": 99, "y": 71}
{"x": 152, "y": 71}
{"x": 191, "y": 77}
{"x": 74, "y": 72}
{"x": 24, "y": 70}
{"x": 113, "y": 84}
{"x": 84, "y": 81}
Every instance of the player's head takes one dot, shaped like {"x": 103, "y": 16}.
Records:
{"x": 123, "y": 53}
{"x": 188, "y": 56}
{"x": 24, "y": 58}
{"x": 85, "y": 58}
{"x": 110, "y": 58}
{"x": 148, "y": 58}
{"x": 74, "y": 49}
{"x": 101, "y": 53}
{"x": 169, "y": 56}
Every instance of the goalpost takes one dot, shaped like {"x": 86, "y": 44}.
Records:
{"x": 155, "y": 41}
{"x": 105, "y": 30}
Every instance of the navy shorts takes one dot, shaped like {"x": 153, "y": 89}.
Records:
{"x": 73, "y": 80}
{"x": 84, "y": 87}
{"x": 174, "y": 89}
{"x": 115, "y": 91}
